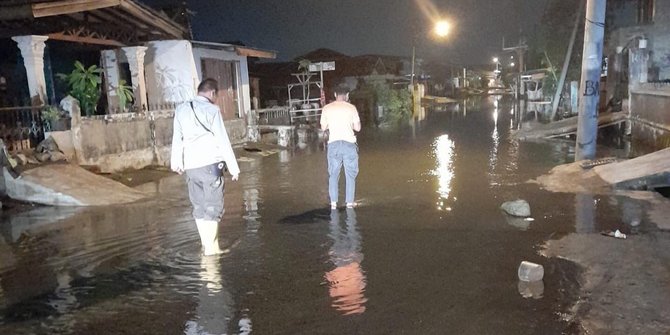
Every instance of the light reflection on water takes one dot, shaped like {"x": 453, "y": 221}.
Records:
{"x": 347, "y": 280}
{"x": 444, "y": 152}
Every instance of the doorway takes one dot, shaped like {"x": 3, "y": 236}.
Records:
{"x": 225, "y": 73}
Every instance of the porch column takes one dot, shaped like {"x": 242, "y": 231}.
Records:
{"x": 135, "y": 56}
{"x": 110, "y": 66}
{"x": 638, "y": 66}
{"x": 32, "y": 51}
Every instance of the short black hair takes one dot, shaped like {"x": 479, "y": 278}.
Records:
{"x": 208, "y": 84}
{"x": 342, "y": 90}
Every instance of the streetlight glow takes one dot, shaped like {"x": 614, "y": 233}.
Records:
{"x": 442, "y": 28}
{"x": 495, "y": 59}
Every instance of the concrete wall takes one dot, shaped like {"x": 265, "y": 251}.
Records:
{"x": 133, "y": 141}
{"x": 650, "y": 112}
{"x": 125, "y": 141}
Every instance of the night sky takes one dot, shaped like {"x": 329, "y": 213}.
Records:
{"x": 356, "y": 27}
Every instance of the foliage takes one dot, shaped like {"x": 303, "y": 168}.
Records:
{"x": 397, "y": 103}
{"x": 125, "y": 94}
{"x": 550, "y": 42}
{"x": 50, "y": 117}
{"x": 84, "y": 84}
{"x": 304, "y": 64}
{"x": 51, "y": 114}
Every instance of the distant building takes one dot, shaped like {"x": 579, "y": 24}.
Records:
{"x": 637, "y": 47}
{"x": 349, "y": 70}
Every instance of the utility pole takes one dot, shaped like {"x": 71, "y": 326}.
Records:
{"x": 520, "y": 50}
{"x": 566, "y": 64}
{"x": 592, "y": 57}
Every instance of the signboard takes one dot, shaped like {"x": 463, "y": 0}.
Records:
{"x": 322, "y": 66}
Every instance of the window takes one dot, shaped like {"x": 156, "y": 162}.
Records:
{"x": 645, "y": 11}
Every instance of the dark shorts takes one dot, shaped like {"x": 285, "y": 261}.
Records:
{"x": 206, "y": 193}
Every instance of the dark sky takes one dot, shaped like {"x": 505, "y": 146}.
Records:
{"x": 355, "y": 27}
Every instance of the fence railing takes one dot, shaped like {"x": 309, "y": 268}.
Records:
{"x": 21, "y": 127}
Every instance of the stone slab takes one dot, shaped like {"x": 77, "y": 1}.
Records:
{"x": 648, "y": 165}
{"x": 68, "y": 185}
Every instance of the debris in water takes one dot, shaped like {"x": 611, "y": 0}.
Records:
{"x": 615, "y": 234}
{"x": 587, "y": 164}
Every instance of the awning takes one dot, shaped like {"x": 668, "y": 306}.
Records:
{"x": 103, "y": 22}
{"x": 240, "y": 50}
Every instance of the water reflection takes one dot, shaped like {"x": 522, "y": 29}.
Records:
{"x": 444, "y": 152}
{"x": 493, "y": 156}
{"x": 347, "y": 280}
{"x": 215, "y": 303}
{"x": 534, "y": 289}
{"x": 585, "y": 213}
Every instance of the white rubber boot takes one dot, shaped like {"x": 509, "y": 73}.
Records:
{"x": 209, "y": 236}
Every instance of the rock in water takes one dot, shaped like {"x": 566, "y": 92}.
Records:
{"x": 47, "y": 145}
{"x": 57, "y": 156}
{"x": 516, "y": 208}
{"x": 21, "y": 159}
{"x": 42, "y": 156}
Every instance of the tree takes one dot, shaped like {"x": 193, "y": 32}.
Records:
{"x": 547, "y": 47}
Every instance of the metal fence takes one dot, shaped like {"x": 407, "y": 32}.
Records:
{"x": 21, "y": 127}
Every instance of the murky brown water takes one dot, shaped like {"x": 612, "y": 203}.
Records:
{"x": 428, "y": 252}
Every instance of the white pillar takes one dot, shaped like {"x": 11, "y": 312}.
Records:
{"x": 32, "y": 51}
{"x": 110, "y": 66}
{"x": 135, "y": 56}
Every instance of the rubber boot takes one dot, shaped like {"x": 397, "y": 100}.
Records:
{"x": 209, "y": 236}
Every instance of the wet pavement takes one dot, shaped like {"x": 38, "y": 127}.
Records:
{"x": 427, "y": 252}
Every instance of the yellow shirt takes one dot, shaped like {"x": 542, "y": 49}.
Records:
{"x": 339, "y": 118}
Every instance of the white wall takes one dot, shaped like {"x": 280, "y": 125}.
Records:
{"x": 170, "y": 71}
{"x": 244, "y": 97}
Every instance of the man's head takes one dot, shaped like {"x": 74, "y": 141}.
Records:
{"x": 341, "y": 93}
{"x": 208, "y": 89}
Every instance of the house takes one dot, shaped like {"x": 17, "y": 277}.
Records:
{"x": 130, "y": 42}
{"x": 637, "y": 48}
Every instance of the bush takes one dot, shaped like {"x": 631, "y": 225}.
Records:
{"x": 397, "y": 103}
{"x": 84, "y": 86}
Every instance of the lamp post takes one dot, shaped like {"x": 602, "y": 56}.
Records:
{"x": 441, "y": 30}
{"x": 497, "y": 71}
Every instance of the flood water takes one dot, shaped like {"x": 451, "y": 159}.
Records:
{"x": 427, "y": 252}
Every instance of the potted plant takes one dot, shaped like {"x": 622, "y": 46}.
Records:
{"x": 84, "y": 86}
{"x": 125, "y": 94}
{"x": 54, "y": 119}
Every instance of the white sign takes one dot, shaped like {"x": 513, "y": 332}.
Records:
{"x": 322, "y": 66}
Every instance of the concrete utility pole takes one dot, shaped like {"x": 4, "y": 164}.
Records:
{"x": 520, "y": 50}
{"x": 592, "y": 57}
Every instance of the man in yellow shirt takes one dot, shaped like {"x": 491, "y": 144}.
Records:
{"x": 341, "y": 119}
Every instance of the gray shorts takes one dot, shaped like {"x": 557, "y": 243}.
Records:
{"x": 206, "y": 193}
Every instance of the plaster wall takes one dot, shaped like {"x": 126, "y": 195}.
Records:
{"x": 658, "y": 35}
{"x": 170, "y": 71}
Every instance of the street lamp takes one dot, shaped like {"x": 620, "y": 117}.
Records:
{"x": 441, "y": 30}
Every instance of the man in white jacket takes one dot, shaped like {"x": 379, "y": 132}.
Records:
{"x": 200, "y": 145}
